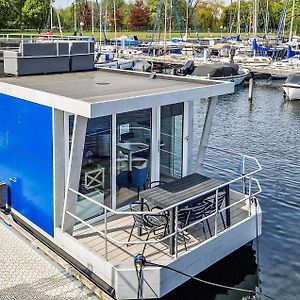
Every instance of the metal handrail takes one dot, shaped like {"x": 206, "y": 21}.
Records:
{"x": 177, "y": 230}
{"x": 244, "y": 177}
{"x": 240, "y": 155}
{"x": 175, "y": 233}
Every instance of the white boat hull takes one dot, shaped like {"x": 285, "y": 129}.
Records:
{"x": 292, "y": 91}
{"x": 236, "y": 79}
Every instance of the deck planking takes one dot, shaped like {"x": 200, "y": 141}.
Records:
{"x": 119, "y": 228}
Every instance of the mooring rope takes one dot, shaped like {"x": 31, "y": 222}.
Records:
{"x": 140, "y": 262}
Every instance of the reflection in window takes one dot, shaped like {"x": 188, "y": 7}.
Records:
{"x": 171, "y": 141}
{"x": 95, "y": 179}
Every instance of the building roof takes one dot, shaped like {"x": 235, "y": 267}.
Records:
{"x": 104, "y": 92}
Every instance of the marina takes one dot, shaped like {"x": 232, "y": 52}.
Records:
{"x": 152, "y": 164}
{"x": 105, "y": 196}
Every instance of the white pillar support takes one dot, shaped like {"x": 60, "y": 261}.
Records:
{"x": 155, "y": 143}
{"x": 114, "y": 161}
{"x": 212, "y": 102}
{"x": 187, "y": 118}
{"x": 58, "y": 164}
{"x": 74, "y": 169}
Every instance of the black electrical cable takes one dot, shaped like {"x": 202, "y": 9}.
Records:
{"x": 139, "y": 263}
{"x": 208, "y": 282}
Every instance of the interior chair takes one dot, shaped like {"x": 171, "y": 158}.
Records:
{"x": 155, "y": 183}
{"x": 149, "y": 223}
{"x": 136, "y": 178}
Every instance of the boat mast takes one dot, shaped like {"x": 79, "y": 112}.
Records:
{"x": 238, "y": 29}
{"x": 267, "y": 19}
{"x": 165, "y": 33}
{"x": 187, "y": 18}
{"x": 93, "y": 19}
{"x": 51, "y": 15}
{"x": 170, "y": 28}
{"x": 255, "y": 18}
{"x": 115, "y": 18}
{"x": 100, "y": 24}
{"x": 292, "y": 21}
{"x": 75, "y": 18}
{"x": 106, "y": 15}
{"x": 59, "y": 23}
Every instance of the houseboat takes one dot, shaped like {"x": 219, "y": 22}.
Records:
{"x": 98, "y": 165}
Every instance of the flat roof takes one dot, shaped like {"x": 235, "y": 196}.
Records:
{"x": 107, "y": 91}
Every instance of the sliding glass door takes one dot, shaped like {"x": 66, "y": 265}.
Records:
{"x": 171, "y": 142}
{"x": 133, "y": 144}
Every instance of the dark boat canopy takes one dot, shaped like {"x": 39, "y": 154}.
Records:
{"x": 216, "y": 70}
{"x": 293, "y": 78}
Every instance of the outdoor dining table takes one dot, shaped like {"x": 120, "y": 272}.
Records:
{"x": 178, "y": 190}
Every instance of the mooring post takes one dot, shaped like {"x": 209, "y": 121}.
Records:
{"x": 251, "y": 81}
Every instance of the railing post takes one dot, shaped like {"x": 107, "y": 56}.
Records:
{"x": 105, "y": 226}
{"x": 64, "y": 214}
{"x": 176, "y": 231}
{"x": 57, "y": 48}
{"x": 22, "y": 47}
{"x": 250, "y": 179}
{"x": 243, "y": 173}
{"x": 216, "y": 215}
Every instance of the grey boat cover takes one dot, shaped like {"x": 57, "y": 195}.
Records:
{"x": 141, "y": 65}
{"x": 293, "y": 78}
{"x": 216, "y": 70}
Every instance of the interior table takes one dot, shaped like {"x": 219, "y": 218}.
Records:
{"x": 130, "y": 149}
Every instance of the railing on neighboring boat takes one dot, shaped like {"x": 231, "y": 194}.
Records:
{"x": 248, "y": 198}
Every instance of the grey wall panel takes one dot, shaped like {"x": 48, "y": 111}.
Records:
{"x": 82, "y": 62}
{"x": 42, "y": 49}
{"x": 27, "y": 66}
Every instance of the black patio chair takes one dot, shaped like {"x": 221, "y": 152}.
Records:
{"x": 190, "y": 214}
{"x": 200, "y": 210}
{"x": 212, "y": 207}
{"x": 149, "y": 222}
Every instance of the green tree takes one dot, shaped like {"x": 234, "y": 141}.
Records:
{"x": 67, "y": 17}
{"x": 208, "y": 14}
{"x": 6, "y": 7}
{"x": 153, "y": 5}
{"x": 35, "y": 13}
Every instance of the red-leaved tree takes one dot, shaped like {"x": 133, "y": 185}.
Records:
{"x": 139, "y": 17}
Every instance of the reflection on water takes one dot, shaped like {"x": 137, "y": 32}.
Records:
{"x": 269, "y": 129}
{"x": 238, "y": 269}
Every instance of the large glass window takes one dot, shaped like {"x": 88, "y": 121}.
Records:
{"x": 133, "y": 154}
{"x": 171, "y": 141}
{"x": 95, "y": 179}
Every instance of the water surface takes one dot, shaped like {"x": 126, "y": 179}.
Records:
{"x": 269, "y": 129}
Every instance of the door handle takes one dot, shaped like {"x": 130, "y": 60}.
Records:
{"x": 14, "y": 179}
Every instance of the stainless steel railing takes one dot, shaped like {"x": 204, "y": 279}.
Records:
{"x": 248, "y": 197}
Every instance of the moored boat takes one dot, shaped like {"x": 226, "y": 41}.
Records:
{"x": 292, "y": 86}
{"x": 225, "y": 72}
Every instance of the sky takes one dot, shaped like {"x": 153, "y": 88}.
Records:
{"x": 62, "y": 3}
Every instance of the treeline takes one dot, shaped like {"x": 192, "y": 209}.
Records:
{"x": 141, "y": 15}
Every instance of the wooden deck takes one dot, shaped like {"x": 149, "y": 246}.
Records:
{"x": 119, "y": 228}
